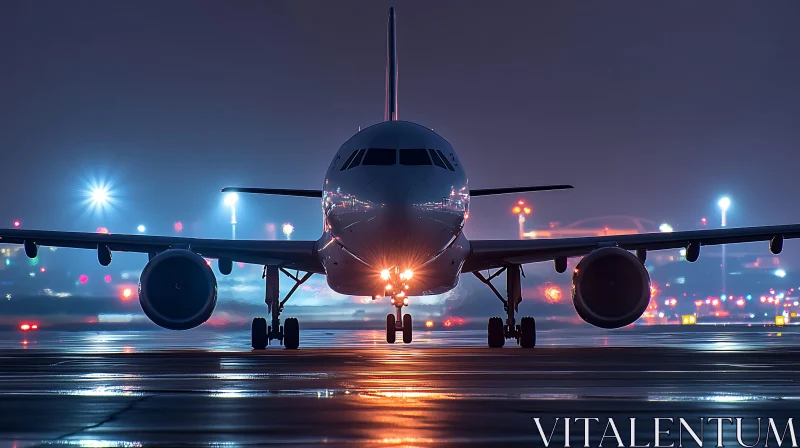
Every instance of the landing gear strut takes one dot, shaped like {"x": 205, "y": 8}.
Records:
{"x": 498, "y": 332}
{"x": 289, "y": 332}
{"x": 395, "y": 324}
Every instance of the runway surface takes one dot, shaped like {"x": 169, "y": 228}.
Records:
{"x": 203, "y": 388}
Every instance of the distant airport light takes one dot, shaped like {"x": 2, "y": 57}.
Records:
{"x": 780, "y": 273}
{"x": 385, "y": 274}
{"x": 25, "y": 327}
{"x": 666, "y": 228}
{"x": 178, "y": 226}
{"x": 141, "y": 228}
{"x": 288, "y": 228}
{"x": 388, "y": 287}
{"x": 107, "y": 278}
{"x": 724, "y": 203}
{"x": 102, "y": 230}
{"x": 703, "y": 221}
{"x": 406, "y": 275}
{"x": 127, "y": 293}
{"x": 428, "y": 323}
{"x": 527, "y": 210}
{"x": 780, "y": 321}
{"x": 42, "y": 269}
{"x": 34, "y": 327}
{"x": 83, "y": 279}
{"x": 17, "y": 223}
{"x": 231, "y": 198}
{"x": 405, "y": 301}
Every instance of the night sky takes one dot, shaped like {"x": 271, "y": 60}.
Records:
{"x": 650, "y": 109}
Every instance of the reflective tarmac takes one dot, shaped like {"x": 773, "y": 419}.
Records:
{"x": 203, "y": 388}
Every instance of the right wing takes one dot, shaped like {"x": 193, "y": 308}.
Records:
{"x": 490, "y": 254}
{"x": 301, "y": 255}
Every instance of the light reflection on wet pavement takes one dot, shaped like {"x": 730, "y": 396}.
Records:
{"x": 203, "y": 388}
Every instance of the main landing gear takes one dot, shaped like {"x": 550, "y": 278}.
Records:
{"x": 289, "y": 332}
{"x": 395, "y": 324}
{"x": 525, "y": 332}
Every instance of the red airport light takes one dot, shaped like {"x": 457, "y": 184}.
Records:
{"x": 17, "y": 223}
{"x": 178, "y": 226}
{"x": 83, "y": 279}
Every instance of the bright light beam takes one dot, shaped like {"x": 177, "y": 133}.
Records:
{"x": 99, "y": 196}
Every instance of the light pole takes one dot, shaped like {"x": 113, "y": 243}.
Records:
{"x": 288, "y": 228}
{"x": 723, "y": 204}
{"x": 521, "y": 210}
{"x": 230, "y": 201}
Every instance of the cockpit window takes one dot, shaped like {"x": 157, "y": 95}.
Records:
{"x": 358, "y": 158}
{"x": 414, "y": 157}
{"x": 380, "y": 156}
{"x": 446, "y": 162}
{"x": 436, "y": 160}
{"x": 349, "y": 159}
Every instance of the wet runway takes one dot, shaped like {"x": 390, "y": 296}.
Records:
{"x": 203, "y": 388}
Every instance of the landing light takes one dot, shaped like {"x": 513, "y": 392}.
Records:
{"x": 406, "y": 275}
{"x": 385, "y": 274}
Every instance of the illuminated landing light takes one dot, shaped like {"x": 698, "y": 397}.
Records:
{"x": 724, "y": 203}
{"x": 666, "y": 228}
{"x": 127, "y": 293}
{"x": 780, "y": 273}
{"x": 24, "y": 327}
{"x": 141, "y": 229}
{"x": 428, "y": 323}
{"x": 287, "y": 228}
{"x": 231, "y": 198}
{"x": 406, "y": 275}
{"x": 385, "y": 274}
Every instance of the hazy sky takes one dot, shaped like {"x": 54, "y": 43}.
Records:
{"x": 649, "y": 109}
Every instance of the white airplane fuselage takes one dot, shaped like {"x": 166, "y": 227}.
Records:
{"x": 398, "y": 209}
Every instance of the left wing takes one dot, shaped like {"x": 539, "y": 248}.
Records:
{"x": 490, "y": 254}
{"x": 301, "y": 255}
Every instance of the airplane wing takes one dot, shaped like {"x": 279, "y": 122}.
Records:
{"x": 290, "y": 254}
{"x": 490, "y": 254}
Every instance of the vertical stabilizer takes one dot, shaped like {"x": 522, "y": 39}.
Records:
{"x": 391, "y": 69}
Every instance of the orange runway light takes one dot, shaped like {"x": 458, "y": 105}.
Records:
{"x": 428, "y": 323}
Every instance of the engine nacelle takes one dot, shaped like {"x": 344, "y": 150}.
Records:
{"x": 610, "y": 288}
{"x": 178, "y": 290}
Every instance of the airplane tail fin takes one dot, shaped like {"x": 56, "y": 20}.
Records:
{"x": 391, "y": 69}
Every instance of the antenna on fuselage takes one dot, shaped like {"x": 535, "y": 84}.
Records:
{"x": 391, "y": 69}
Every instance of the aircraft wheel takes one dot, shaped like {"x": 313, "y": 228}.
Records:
{"x": 391, "y": 329}
{"x": 527, "y": 332}
{"x": 496, "y": 336}
{"x": 291, "y": 335}
{"x": 258, "y": 333}
{"x": 407, "y": 328}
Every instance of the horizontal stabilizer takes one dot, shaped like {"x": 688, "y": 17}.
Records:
{"x": 275, "y": 191}
{"x": 493, "y": 191}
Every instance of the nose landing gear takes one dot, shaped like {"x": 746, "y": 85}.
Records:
{"x": 289, "y": 332}
{"x": 498, "y": 331}
{"x": 395, "y": 324}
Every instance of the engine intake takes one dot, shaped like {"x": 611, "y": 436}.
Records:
{"x": 610, "y": 288}
{"x": 178, "y": 290}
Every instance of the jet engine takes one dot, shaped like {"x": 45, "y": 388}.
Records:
{"x": 610, "y": 288}
{"x": 178, "y": 290}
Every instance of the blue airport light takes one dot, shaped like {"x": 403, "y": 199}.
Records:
{"x": 749, "y": 297}
{"x": 780, "y": 273}
{"x": 141, "y": 228}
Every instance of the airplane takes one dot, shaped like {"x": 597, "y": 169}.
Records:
{"x": 394, "y": 202}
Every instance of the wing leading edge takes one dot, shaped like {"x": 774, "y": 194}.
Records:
{"x": 300, "y": 255}
{"x": 490, "y": 254}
